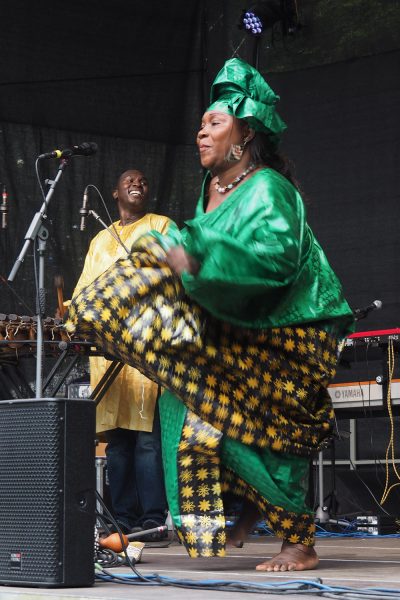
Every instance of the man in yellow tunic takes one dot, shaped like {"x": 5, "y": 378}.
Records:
{"x": 128, "y": 415}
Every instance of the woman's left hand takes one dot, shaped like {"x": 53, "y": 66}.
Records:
{"x": 180, "y": 261}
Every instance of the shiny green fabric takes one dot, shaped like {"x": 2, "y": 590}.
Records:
{"x": 172, "y": 416}
{"x": 281, "y": 478}
{"x": 241, "y": 91}
{"x": 198, "y": 474}
{"x": 261, "y": 265}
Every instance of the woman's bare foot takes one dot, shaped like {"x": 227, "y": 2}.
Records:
{"x": 244, "y": 524}
{"x": 292, "y": 557}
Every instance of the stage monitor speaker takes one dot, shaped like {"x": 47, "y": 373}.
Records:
{"x": 47, "y": 492}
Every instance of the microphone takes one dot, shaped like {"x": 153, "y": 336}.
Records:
{"x": 84, "y": 211}
{"x": 361, "y": 313}
{"x": 84, "y": 149}
{"x": 4, "y": 208}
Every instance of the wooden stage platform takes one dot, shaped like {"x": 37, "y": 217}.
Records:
{"x": 351, "y": 562}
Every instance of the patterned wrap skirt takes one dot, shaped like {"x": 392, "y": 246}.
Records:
{"x": 244, "y": 409}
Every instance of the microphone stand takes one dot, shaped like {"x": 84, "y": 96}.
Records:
{"x": 35, "y": 231}
{"x": 322, "y": 515}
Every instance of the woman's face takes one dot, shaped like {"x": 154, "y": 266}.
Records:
{"x": 217, "y": 132}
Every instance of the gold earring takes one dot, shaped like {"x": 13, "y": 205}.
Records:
{"x": 235, "y": 152}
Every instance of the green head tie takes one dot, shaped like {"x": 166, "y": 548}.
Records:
{"x": 241, "y": 91}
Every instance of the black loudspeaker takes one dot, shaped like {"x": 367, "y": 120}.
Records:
{"x": 47, "y": 492}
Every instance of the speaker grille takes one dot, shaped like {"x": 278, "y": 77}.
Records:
{"x": 31, "y": 490}
{"x": 32, "y": 495}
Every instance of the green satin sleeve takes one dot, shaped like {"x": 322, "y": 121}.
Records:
{"x": 260, "y": 264}
{"x": 250, "y": 249}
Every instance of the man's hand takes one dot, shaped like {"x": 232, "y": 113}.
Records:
{"x": 180, "y": 261}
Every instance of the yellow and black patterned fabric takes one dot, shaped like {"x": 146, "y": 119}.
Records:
{"x": 205, "y": 473}
{"x": 263, "y": 388}
{"x": 202, "y": 521}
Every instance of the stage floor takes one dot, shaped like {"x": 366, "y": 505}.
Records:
{"x": 350, "y": 562}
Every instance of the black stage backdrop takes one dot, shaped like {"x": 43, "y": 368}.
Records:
{"x": 135, "y": 80}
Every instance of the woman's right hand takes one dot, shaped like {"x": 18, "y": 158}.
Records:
{"x": 182, "y": 262}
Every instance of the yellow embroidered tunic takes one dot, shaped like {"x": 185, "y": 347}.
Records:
{"x": 129, "y": 403}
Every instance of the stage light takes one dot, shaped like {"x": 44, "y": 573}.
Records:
{"x": 252, "y": 23}
{"x": 262, "y": 15}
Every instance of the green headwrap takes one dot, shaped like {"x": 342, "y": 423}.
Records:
{"x": 241, "y": 91}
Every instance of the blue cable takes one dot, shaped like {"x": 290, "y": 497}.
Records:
{"x": 321, "y": 532}
{"x": 298, "y": 585}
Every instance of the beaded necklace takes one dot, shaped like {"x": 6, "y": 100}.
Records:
{"x": 238, "y": 179}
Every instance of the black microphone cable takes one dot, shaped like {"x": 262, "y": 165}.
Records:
{"x": 129, "y": 561}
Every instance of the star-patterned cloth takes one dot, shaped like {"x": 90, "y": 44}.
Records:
{"x": 202, "y": 465}
{"x": 261, "y": 391}
{"x": 261, "y": 387}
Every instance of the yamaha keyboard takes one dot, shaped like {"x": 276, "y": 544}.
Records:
{"x": 365, "y": 346}
{"x": 369, "y": 345}
{"x": 363, "y": 395}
